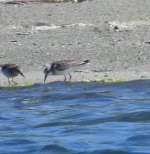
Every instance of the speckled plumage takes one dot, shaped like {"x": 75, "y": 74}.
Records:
{"x": 63, "y": 67}
{"x": 11, "y": 71}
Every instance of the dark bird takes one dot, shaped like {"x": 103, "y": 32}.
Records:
{"x": 63, "y": 67}
{"x": 11, "y": 71}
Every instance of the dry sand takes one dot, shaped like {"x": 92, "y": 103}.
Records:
{"x": 114, "y": 35}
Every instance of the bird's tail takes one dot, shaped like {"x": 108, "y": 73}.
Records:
{"x": 84, "y": 62}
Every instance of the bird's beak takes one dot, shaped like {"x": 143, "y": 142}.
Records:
{"x": 45, "y": 77}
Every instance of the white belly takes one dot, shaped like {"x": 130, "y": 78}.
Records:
{"x": 66, "y": 71}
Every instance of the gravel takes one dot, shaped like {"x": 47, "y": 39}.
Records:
{"x": 114, "y": 35}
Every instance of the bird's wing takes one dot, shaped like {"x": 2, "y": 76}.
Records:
{"x": 16, "y": 68}
{"x": 62, "y": 65}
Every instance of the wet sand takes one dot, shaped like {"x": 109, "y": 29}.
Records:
{"x": 113, "y": 35}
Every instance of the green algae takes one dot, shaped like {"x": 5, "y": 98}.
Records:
{"x": 105, "y": 80}
{"x": 138, "y": 19}
{"x": 26, "y": 84}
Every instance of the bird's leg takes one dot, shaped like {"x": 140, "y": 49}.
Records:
{"x": 65, "y": 78}
{"x": 8, "y": 81}
{"x": 70, "y": 77}
{"x": 13, "y": 81}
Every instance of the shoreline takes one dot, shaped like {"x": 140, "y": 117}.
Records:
{"x": 81, "y": 76}
{"x": 114, "y": 39}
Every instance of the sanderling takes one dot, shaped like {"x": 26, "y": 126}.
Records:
{"x": 63, "y": 67}
{"x": 11, "y": 71}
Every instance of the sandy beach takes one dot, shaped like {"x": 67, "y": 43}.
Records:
{"x": 113, "y": 35}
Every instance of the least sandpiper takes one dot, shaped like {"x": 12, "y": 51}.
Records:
{"x": 63, "y": 67}
{"x": 11, "y": 71}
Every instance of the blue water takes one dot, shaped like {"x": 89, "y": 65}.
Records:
{"x": 76, "y": 118}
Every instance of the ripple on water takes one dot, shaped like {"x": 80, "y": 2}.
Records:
{"x": 76, "y": 118}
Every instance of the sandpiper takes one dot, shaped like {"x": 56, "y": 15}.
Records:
{"x": 11, "y": 71}
{"x": 63, "y": 67}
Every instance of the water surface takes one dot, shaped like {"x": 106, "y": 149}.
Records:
{"x": 76, "y": 118}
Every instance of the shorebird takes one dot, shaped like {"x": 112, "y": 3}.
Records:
{"x": 11, "y": 71}
{"x": 64, "y": 67}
